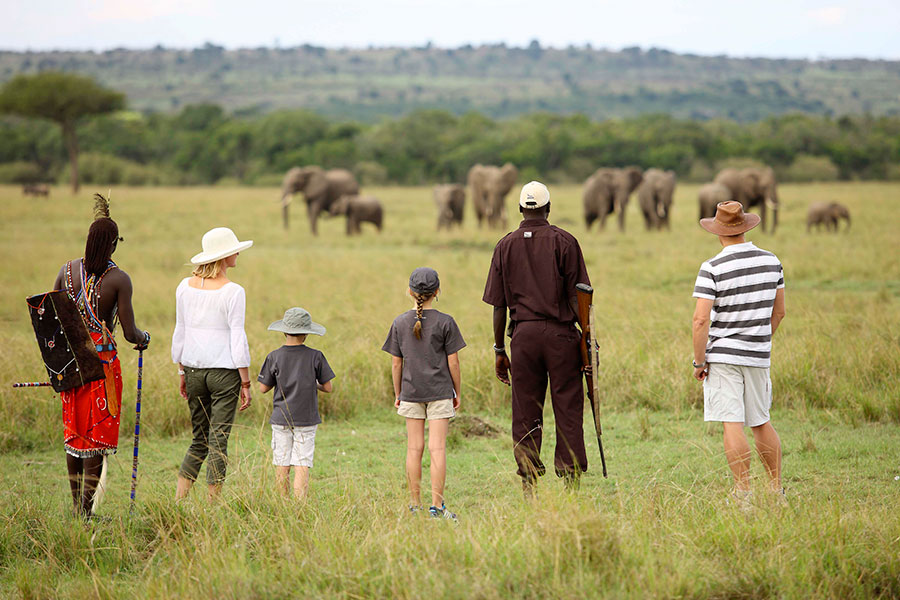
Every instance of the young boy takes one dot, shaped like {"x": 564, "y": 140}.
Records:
{"x": 297, "y": 372}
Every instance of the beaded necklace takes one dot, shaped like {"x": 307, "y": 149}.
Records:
{"x": 88, "y": 298}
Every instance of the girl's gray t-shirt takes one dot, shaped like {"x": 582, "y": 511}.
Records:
{"x": 426, "y": 374}
{"x": 294, "y": 371}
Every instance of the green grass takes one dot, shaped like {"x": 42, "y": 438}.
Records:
{"x": 657, "y": 527}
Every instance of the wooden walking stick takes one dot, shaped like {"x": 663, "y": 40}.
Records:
{"x": 589, "y": 356}
{"x": 137, "y": 428}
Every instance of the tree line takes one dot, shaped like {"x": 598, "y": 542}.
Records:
{"x": 204, "y": 144}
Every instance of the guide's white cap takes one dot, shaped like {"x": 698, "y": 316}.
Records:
{"x": 534, "y": 195}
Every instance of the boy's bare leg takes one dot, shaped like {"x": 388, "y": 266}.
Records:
{"x": 183, "y": 487}
{"x": 281, "y": 479}
{"x": 737, "y": 452}
{"x": 301, "y": 482}
{"x": 768, "y": 445}
{"x": 437, "y": 447}
{"x": 415, "y": 446}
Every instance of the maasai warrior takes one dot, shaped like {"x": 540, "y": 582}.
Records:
{"x": 102, "y": 293}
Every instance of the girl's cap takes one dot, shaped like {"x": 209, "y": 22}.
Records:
{"x": 424, "y": 280}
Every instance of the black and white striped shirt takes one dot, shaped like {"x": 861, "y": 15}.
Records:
{"x": 741, "y": 280}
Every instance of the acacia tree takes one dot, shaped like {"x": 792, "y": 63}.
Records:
{"x": 60, "y": 97}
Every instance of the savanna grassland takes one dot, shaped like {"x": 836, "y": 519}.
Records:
{"x": 658, "y": 527}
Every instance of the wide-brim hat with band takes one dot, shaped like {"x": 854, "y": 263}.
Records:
{"x": 217, "y": 244}
{"x": 297, "y": 321}
{"x": 730, "y": 219}
{"x": 534, "y": 194}
{"x": 424, "y": 280}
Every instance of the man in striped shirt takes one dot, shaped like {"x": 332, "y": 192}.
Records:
{"x": 740, "y": 303}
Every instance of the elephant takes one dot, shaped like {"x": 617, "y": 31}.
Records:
{"x": 655, "y": 197}
{"x": 753, "y": 187}
{"x": 607, "y": 191}
{"x": 829, "y": 213}
{"x": 321, "y": 188}
{"x": 450, "y": 199}
{"x": 358, "y": 209}
{"x": 711, "y": 194}
{"x": 489, "y": 187}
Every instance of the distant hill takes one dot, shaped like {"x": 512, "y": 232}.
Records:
{"x": 499, "y": 81}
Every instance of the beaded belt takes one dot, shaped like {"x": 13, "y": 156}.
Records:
{"x": 106, "y": 348}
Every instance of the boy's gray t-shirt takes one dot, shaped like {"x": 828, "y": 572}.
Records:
{"x": 426, "y": 374}
{"x": 294, "y": 371}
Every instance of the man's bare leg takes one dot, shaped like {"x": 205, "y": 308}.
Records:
{"x": 737, "y": 452}
{"x": 415, "y": 446}
{"x": 75, "y": 467}
{"x": 768, "y": 445}
{"x": 301, "y": 482}
{"x": 93, "y": 467}
{"x": 183, "y": 487}
{"x": 215, "y": 490}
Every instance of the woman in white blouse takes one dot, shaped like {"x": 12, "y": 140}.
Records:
{"x": 210, "y": 348}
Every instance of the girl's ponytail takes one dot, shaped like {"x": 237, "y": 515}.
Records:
{"x": 420, "y": 300}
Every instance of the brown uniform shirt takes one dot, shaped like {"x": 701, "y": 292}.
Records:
{"x": 534, "y": 271}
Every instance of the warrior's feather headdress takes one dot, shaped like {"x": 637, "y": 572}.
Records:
{"x": 101, "y": 206}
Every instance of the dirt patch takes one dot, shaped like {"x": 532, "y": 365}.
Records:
{"x": 472, "y": 426}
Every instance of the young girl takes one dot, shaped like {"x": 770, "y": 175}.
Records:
{"x": 423, "y": 344}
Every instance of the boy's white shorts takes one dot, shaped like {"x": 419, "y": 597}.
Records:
{"x": 736, "y": 394}
{"x": 293, "y": 446}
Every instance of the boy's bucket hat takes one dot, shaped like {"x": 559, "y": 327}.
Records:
{"x": 297, "y": 321}
{"x": 534, "y": 194}
{"x": 730, "y": 219}
{"x": 424, "y": 280}
{"x": 217, "y": 244}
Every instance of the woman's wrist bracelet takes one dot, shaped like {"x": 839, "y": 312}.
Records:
{"x": 181, "y": 371}
{"x": 245, "y": 384}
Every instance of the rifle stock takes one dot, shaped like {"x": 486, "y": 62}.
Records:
{"x": 585, "y": 296}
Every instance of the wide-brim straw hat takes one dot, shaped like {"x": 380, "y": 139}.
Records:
{"x": 217, "y": 244}
{"x": 730, "y": 219}
{"x": 297, "y": 321}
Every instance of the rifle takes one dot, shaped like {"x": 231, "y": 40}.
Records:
{"x": 590, "y": 356}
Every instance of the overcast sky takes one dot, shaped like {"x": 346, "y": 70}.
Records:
{"x": 789, "y": 28}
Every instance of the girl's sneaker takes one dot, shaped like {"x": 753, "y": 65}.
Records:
{"x": 442, "y": 513}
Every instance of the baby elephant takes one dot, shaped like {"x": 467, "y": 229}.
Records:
{"x": 358, "y": 209}
{"x": 829, "y": 213}
{"x": 450, "y": 198}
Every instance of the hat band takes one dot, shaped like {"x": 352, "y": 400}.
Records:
{"x": 723, "y": 224}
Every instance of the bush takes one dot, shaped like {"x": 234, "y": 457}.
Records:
{"x": 21, "y": 172}
{"x": 809, "y": 168}
{"x": 95, "y": 168}
{"x": 370, "y": 173}
{"x": 701, "y": 172}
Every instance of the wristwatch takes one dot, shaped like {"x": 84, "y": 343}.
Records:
{"x": 500, "y": 350}
{"x": 696, "y": 366}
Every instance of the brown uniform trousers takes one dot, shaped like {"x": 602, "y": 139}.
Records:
{"x": 539, "y": 349}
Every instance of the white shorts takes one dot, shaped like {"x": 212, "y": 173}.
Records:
{"x": 293, "y": 446}
{"x": 736, "y": 394}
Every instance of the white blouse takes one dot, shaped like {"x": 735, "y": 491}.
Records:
{"x": 209, "y": 327}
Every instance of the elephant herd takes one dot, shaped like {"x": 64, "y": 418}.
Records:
{"x": 336, "y": 193}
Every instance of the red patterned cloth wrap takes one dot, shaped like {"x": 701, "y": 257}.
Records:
{"x": 88, "y": 428}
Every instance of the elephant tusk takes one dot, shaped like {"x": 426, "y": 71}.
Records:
{"x": 771, "y": 204}
{"x": 285, "y": 201}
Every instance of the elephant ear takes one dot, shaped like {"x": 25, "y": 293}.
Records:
{"x": 509, "y": 173}
{"x": 316, "y": 184}
{"x": 750, "y": 184}
{"x": 635, "y": 177}
{"x": 292, "y": 181}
